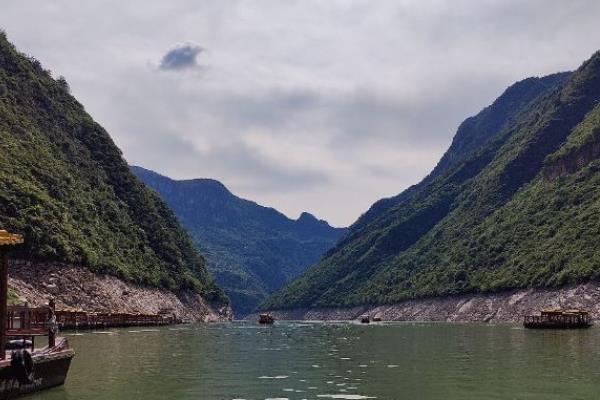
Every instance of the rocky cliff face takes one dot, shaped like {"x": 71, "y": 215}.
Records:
{"x": 575, "y": 160}
{"x": 76, "y": 287}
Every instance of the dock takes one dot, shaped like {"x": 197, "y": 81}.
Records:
{"x": 100, "y": 320}
{"x": 68, "y": 319}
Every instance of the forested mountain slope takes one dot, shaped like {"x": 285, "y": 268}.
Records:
{"x": 250, "y": 249}
{"x": 473, "y": 133}
{"x": 65, "y": 186}
{"x": 513, "y": 203}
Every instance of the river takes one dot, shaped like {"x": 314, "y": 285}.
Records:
{"x": 243, "y": 360}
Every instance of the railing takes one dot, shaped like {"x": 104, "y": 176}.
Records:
{"x": 27, "y": 321}
{"x": 95, "y": 320}
{"x": 568, "y": 319}
{"x": 22, "y": 321}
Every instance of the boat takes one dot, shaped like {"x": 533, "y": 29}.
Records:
{"x": 23, "y": 367}
{"x": 266, "y": 319}
{"x": 365, "y": 320}
{"x": 559, "y": 319}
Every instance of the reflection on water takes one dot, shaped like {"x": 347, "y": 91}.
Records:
{"x": 332, "y": 361}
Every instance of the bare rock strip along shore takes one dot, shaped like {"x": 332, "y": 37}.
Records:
{"x": 78, "y": 287}
{"x": 505, "y": 307}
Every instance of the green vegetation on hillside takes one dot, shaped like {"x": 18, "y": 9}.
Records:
{"x": 250, "y": 249}
{"x": 65, "y": 186}
{"x": 13, "y": 298}
{"x": 472, "y": 135}
{"x": 491, "y": 221}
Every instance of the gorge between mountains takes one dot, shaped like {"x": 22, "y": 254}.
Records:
{"x": 299, "y": 200}
{"x": 511, "y": 206}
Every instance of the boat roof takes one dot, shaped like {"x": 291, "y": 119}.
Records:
{"x": 9, "y": 239}
{"x": 561, "y": 311}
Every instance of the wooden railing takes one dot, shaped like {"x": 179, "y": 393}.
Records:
{"x": 25, "y": 321}
{"x": 96, "y": 320}
{"x": 564, "y": 318}
{"x": 22, "y": 321}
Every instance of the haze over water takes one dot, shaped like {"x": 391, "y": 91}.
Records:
{"x": 343, "y": 361}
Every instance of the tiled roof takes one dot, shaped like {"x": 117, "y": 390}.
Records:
{"x": 9, "y": 238}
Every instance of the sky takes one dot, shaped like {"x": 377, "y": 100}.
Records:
{"x": 308, "y": 105}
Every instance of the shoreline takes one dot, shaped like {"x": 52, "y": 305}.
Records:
{"x": 501, "y": 307}
{"x": 76, "y": 287}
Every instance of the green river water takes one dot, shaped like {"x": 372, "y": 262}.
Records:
{"x": 243, "y": 360}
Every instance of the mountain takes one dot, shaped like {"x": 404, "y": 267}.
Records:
{"x": 65, "y": 186}
{"x": 474, "y": 133}
{"x": 251, "y": 250}
{"x": 514, "y": 203}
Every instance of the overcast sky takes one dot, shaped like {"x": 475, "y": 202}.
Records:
{"x": 324, "y": 106}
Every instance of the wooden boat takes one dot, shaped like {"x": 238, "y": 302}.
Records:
{"x": 24, "y": 370}
{"x": 558, "y": 319}
{"x": 266, "y": 319}
{"x": 49, "y": 368}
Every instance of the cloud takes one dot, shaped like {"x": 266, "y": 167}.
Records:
{"x": 182, "y": 56}
{"x": 307, "y": 105}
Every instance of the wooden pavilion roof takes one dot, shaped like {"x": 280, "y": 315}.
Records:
{"x": 9, "y": 239}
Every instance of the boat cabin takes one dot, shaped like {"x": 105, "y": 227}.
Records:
{"x": 266, "y": 319}
{"x": 558, "y": 319}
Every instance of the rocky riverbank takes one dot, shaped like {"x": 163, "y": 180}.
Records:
{"x": 495, "y": 307}
{"x": 78, "y": 287}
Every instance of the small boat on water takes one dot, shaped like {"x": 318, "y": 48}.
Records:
{"x": 23, "y": 367}
{"x": 365, "y": 319}
{"x": 266, "y": 319}
{"x": 558, "y": 319}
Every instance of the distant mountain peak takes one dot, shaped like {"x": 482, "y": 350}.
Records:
{"x": 153, "y": 178}
{"x": 306, "y": 216}
{"x": 208, "y": 182}
{"x": 251, "y": 249}
{"x": 308, "y": 219}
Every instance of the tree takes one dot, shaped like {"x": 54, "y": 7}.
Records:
{"x": 64, "y": 85}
